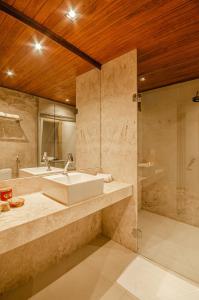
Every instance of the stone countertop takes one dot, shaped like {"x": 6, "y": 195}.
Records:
{"x": 41, "y": 215}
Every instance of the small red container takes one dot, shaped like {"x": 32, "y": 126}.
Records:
{"x": 5, "y": 194}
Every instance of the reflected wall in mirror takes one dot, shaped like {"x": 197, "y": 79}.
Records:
{"x": 18, "y": 133}
{"x": 29, "y": 127}
{"x": 57, "y": 130}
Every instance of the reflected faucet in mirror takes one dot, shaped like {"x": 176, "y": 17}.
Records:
{"x": 17, "y": 165}
{"x": 69, "y": 161}
{"x": 47, "y": 161}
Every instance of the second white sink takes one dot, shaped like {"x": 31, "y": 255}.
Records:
{"x": 72, "y": 188}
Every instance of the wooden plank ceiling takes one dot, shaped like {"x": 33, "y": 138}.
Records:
{"x": 165, "y": 32}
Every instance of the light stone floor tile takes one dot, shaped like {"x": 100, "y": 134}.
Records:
{"x": 80, "y": 283}
{"x": 134, "y": 278}
{"x": 111, "y": 260}
{"x": 148, "y": 281}
{"x": 170, "y": 243}
{"x": 128, "y": 296}
{"x": 116, "y": 292}
{"x": 94, "y": 278}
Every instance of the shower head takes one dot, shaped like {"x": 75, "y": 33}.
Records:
{"x": 196, "y": 98}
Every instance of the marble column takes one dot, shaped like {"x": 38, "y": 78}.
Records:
{"x": 119, "y": 143}
{"x": 107, "y": 137}
{"x": 88, "y": 121}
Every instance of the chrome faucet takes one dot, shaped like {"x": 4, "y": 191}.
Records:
{"x": 69, "y": 161}
{"x": 47, "y": 161}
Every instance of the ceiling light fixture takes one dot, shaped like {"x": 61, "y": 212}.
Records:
{"x": 38, "y": 46}
{"x": 10, "y": 73}
{"x": 67, "y": 100}
{"x": 71, "y": 14}
{"x": 142, "y": 78}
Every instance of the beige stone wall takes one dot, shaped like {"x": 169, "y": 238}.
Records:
{"x": 119, "y": 117}
{"x": 88, "y": 121}
{"x": 107, "y": 137}
{"x": 169, "y": 136}
{"x": 119, "y": 143}
{"x": 18, "y": 138}
{"x": 24, "y": 263}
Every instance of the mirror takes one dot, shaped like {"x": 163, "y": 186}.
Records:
{"x": 37, "y": 102}
{"x": 30, "y": 127}
{"x": 57, "y": 131}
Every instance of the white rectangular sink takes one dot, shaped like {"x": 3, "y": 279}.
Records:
{"x": 38, "y": 171}
{"x": 72, "y": 188}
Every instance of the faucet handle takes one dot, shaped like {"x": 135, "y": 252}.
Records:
{"x": 70, "y": 157}
{"x": 45, "y": 155}
{"x": 17, "y": 158}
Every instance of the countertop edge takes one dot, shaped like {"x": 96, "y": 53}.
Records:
{"x": 14, "y": 237}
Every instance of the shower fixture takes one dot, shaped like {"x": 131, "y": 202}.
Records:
{"x": 196, "y": 98}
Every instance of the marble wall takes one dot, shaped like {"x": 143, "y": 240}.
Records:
{"x": 119, "y": 143}
{"x": 119, "y": 117}
{"x": 107, "y": 137}
{"x": 46, "y": 251}
{"x": 88, "y": 121}
{"x": 23, "y": 186}
{"x": 169, "y": 140}
{"x": 18, "y": 138}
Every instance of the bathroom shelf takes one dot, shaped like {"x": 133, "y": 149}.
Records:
{"x": 10, "y": 117}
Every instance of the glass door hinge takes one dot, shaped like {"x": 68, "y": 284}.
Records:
{"x": 137, "y": 97}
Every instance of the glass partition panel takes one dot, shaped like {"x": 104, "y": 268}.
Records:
{"x": 168, "y": 175}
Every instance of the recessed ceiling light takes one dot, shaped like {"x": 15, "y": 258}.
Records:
{"x": 71, "y": 14}
{"x": 38, "y": 46}
{"x": 67, "y": 100}
{"x": 142, "y": 78}
{"x": 10, "y": 73}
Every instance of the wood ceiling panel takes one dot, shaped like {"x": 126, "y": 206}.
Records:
{"x": 28, "y": 5}
{"x": 47, "y": 10}
{"x": 50, "y": 74}
{"x": 130, "y": 22}
{"x": 165, "y": 32}
{"x": 169, "y": 75}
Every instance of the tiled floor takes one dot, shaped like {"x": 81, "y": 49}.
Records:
{"x": 104, "y": 270}
{"x": 95, "y": 277}
{"x": 172, "y": 244}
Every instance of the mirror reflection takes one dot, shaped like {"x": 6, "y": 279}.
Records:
{"x": 34, "y": 132}
{"x": 37, "y": 103}
{"x": 56, "y": 134}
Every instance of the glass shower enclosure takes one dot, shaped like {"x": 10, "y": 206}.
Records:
{"x": 168, "y": 169}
